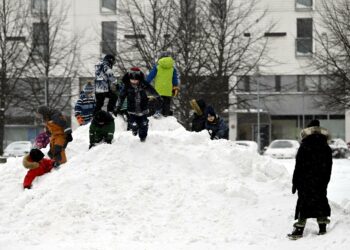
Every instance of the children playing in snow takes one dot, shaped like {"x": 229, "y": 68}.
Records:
{"x": 37, "y": 165}
{"x": 60, "y": 133}
{"x": 102, "y": 128}
{"x": 85, "y": 106}
{"x": 215, "y": 125}
{"x": 135, "y": 88}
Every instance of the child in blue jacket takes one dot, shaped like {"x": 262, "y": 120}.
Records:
{"x": 215, "y": 125}
{"x": 85, "y": 106}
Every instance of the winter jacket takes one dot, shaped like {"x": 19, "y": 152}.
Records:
{"x": 165, "y": 76}
{"x": 85, "y": 107}
{"x": 57, "y": 125}
{"x": 102, "y": 127}
{"x": 217, "y": 129}
{"x": 312, "y": 173}
{"x": 35, "y": 169}
{"x": 103, "y": 77}
{"x": 137, "y": 99}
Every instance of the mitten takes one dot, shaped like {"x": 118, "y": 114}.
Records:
{"x": 176, "y": 91}
{"x": 80, "y": 119}
{"x": 116, "y": 111}
{"x": 69, "y": 137}
{"x": 56, "y": 165}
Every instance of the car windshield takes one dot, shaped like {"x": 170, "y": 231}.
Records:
{"x": 18, "y": 146}
{"x": 281, "y": 144}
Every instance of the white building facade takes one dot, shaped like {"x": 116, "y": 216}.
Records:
{"x": 287, "y": 83}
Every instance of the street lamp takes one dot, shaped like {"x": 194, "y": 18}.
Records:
{"x": 256, "y": 74}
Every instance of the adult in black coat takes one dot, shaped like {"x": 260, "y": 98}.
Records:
{"x": 135, "y": 87}
{"x": 199, "y": 118}
{"x": 311, "y": 177}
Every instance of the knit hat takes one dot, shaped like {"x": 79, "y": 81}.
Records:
{"x": 164, "y": 54}
{"x": 110, "y": 59}
{"x": 36, "y": 155}
{"x": 210, "y": 111}
{"x": 43, "y": 110}
{"x": 88, "y": 88}
{"x": 136, "y": 74}
{"x": 314, "y": 123}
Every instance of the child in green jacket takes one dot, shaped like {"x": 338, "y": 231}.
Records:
{"x": 102, "y": 128}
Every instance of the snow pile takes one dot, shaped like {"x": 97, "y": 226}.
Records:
{"x": 178, "y": 190}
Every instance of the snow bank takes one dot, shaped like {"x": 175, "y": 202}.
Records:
{"x": 178, "y": 190}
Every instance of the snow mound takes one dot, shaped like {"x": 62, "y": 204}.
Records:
{"x": 178, "y": 190}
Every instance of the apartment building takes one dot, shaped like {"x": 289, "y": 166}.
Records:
{"x": 287, "y": 85}
{"x": 287, "y": 82}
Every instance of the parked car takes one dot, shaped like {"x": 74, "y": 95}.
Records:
{"x": 17, "y": 148}
{"x": 339, "y": 148}
{"x": 282, "y": 149}
{"x": 251, "y": 146}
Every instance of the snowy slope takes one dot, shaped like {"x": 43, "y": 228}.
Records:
{"x": 178, "y": 190}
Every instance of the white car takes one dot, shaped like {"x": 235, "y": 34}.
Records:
{"x": 282, "y": 149}
{"x": 339, "y": 148}
{"x": 251, "y": 146}
{"x": 17, "y": 148}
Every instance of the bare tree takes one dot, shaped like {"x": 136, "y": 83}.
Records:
{"x": 332, "y": 57}
{"x": 54, "y": 59}
{"x": 12, "y": 55}
{"x": 147, "y": 27}
{"x": 206, "y": 38}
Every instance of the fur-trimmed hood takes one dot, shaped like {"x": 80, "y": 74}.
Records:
{"x": 27, "y": 163}
{"x": 314, "y": 130}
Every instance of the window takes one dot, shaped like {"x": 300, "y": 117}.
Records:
{"x": 301, "y": 86}
{"x": 278, "y": 83}
{"x": 303, "y": 4}
{"x": 218, "y": 9}
{"x": 108, "y": 6}
{"x": 188, "y": 14}
{"x": 304, "y": 36}
{"x": 246, "y": 83}
{"x": 39, "y": 7}
{"x": 41, "y": 39}
{"x": 109, "y": 38}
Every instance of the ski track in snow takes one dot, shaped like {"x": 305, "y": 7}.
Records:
{"x": 178, "y": 190}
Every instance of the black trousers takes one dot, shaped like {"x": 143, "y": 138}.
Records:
{"x": 100, "y": 100}
{"x": 165, "y": 108}
{"x": 138, "y": 124}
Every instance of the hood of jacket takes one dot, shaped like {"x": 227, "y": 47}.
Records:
{"x": 314, "y": 130}
{"x": 166, "y": 62}
{"x": 27, "y": 163}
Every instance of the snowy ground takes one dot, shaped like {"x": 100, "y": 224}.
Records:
{"x": 178, "y": 190}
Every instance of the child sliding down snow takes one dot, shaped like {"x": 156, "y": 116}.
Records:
{"x": 37, "y": 165}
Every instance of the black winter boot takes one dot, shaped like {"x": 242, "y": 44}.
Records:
{"x": 296, "y": 234}
{"x": 322, "y": 229}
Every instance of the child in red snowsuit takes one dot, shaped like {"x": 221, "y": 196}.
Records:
{"x": 37, "y": 165}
